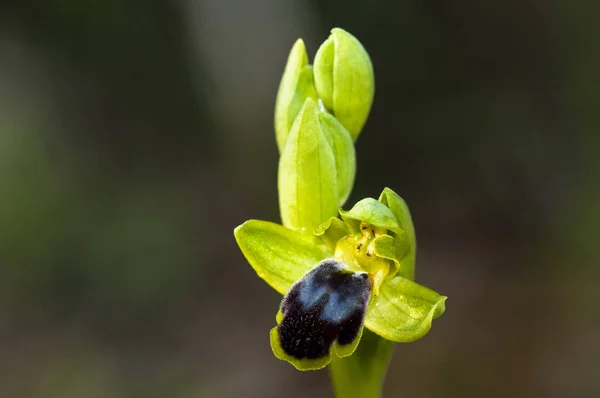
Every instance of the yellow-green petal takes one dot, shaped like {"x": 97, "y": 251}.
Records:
{"x": 403, "y": 310}
{"x": 392, "y": 249}
{"x": 279, "y": 255}
{"x": 400, "y": 209}
{"x": 372, "y": 212}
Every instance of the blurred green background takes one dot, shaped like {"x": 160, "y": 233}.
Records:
{"x": 135, "y": 135}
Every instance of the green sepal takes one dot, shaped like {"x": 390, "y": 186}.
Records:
{"x": 385, "y": 246}
{"x": 372, "y": 212}
{"x": 400, "y": 209}
{"x": 344, "y": 79}
{"x": 340, "y": 351}
{"x": 296, "y": 85}
{"x": 332, "y": 231}
{"x": 403, "y": 310}
{"x": 279, "y": 255}
{"x": 342, "y": 146}
{"x": 307, "y": 179}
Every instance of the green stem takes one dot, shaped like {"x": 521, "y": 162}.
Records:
{"x": 361, "y": 375}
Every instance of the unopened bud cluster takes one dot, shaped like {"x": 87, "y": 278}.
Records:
{"x": 319, "y": 112}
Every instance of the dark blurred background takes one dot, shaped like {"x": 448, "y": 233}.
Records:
{"x": 135, "y": 135}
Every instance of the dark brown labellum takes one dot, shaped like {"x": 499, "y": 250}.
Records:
{"x": 327, "y": 305}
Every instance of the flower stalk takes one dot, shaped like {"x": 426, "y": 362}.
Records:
{"x": 362, "y": 374}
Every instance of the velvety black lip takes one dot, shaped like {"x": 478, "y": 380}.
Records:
{"x": 326, "y": 305}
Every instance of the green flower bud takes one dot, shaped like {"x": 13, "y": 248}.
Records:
{"x": 296, "y": 85}
{"x": 343, "y": 76}
{"x": 307, "y": 178}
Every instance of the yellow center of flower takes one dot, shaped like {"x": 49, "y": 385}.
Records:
{"x": 358, "y": 252}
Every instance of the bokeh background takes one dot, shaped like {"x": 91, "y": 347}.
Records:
{"x": 136, "y": 134}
